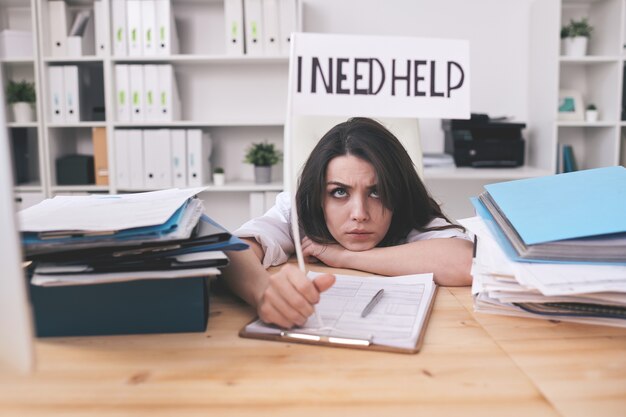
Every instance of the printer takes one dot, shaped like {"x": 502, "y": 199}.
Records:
{"x": 484, "y": 142}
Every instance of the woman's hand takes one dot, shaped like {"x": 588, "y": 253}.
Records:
{"x": 289, "y": 297}
{"x": 330, "y": 254}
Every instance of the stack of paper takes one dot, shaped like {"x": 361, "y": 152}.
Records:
{"x": 108, "y": 238}
{"x": 513, "y": 282}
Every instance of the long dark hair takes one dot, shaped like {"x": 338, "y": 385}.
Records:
{"x": 399, "y": 187}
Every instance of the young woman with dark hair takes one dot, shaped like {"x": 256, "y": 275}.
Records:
{"x": 361, "y": 205}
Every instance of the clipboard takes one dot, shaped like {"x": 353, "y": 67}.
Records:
{"x": 338, "y": 341}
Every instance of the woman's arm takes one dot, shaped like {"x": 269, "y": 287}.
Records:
{"x": 449, "y": 259}
{"x": 285, "y": 297}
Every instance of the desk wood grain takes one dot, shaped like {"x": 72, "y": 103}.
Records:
{"x": 468, "y": 366}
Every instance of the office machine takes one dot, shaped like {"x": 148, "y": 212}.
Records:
{"x": 484, "y": 142}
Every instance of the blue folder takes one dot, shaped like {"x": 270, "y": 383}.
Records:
{"x": 565, "y": 206}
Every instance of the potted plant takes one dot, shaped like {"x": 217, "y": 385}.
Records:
{"x": 21, "y": 96}
{"x": 262, "y": 155}
{"x": 576, "y": 36}
{"x": 591, "y": 113}
{"x": 218, "y": 176}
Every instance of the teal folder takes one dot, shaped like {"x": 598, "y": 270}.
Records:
{"x": 565, "y": 206}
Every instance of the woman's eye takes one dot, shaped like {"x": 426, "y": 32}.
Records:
{"x": 374, "y": 194}
{"x": 338, "y": 192}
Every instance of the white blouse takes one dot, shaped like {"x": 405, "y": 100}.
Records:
{"x": 273, "y": 232}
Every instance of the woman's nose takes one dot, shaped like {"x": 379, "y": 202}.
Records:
{"x": 359, "y": 210}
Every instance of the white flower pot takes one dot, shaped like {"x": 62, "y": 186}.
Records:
{"x": 576, "y": 46}
{"x": 23, "y": 112}
{"x": 219, "y": 179}
{"x": 591, "y": 115}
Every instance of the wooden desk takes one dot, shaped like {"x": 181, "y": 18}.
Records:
{"x": 470, "y": 365}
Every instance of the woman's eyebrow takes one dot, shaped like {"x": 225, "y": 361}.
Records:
{"x": 337, "y": 183}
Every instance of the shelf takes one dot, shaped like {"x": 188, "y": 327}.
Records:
{"x": 469, "y": 173}
{"x": 17, "y": 60}
{"x": 78, "y": 125}
{"x": 566, "y": 123}
{"x": 590, "y": 59}
{"x": 204, "y": 59}
{"x": 186, "y": 124}
{"x": 34, "y": 187}
{"x": 27, "y": 124}
{"x": 73, "y": 59}
{"x": 80, "y": 188}
{"x": 232, "y": 187}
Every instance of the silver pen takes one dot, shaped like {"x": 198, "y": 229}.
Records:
{"x": 375, "y": 299}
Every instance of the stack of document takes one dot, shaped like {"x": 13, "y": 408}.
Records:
{"x": 75, "y": 240}
{"x": 553, "y": 247}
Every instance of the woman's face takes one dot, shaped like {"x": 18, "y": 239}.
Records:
{"x": 354, "y": 213}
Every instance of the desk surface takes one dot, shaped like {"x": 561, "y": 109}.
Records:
{"x": 470, "y": 364}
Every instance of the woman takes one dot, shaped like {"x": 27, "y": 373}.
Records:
{"x": 361, "y": 205}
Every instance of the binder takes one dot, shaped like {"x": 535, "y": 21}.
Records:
{"x": 157, "y": 162}
{"x": 150, "y": 84}
{"x": 148, "y": 27}
{"x": 341, "y": 335}
{"x": 136, "y": 159}
{"x": 120, "y": 33}
{"x": 57, "y": 94}
{"x": 99, "y": 14}
{"x": 166, "y": 36}
{"x": 287, "y": 18}
{"x": 122, "y": 93}
{"x": 233, "y": 22}
{"x": 179, "y": 158}
{"x": 198, "y": 153}
{"x": 72, "y": 93}
{"x": 135, "y": 73}
{"x": 168, "y": 99}
{"x": 253, "y": 18}
{"x": 271, "y": 30}
{"x": 122, "y": 159}
{"x": 133, "y": 23}
{"x": 59, "y": 25}
{"x": 77, "y": 39}
{"x": 100, "y": 155}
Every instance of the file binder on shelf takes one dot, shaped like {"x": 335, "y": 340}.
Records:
{"x": 271, "y": 28}
{"x": 287, "y": 19}
{"x": 119, "y": 28}
{"x": 57, "y": 94}
{"x": 166, "y": 35}
{"x": 198, "y": 153}
{"x": 71, "y": 81}
{"x": 179, "y": 157}
{"x": 253, "y": 18}
{"x": 137, "y": 93}
{"x": 148, "y": 27}
{"x": 122, "y": 93}
{"x": 233, "y": 22}
{"x": 122, "y": 159}
{"x": 100, "y": 155}
{"x": 157, "y": 158}
{"x": 135, "y": 152}
{"x": 99, "y": 15}
{"x": 133, "y": 21}
{"x": 77, "y": 43}
{"x": 58, "y": 23}
{"x": 168, "y": 98}
{"x": 150, "y": 87}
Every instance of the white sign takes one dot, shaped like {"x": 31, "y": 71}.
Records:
{"x": 379, "y": 76}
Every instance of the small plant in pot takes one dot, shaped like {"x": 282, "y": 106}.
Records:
{"x": 218, "y": 176}
{"x": 262, "y": 155}
{"x": 21, "y": 96}
{"x": 591, "y": 113}
{"x": 576, "y": 36}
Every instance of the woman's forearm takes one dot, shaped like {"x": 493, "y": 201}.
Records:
{"x": 245, "y": 274}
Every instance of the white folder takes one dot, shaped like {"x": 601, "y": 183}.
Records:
{"x": 287, "y": 18}
{"x": 270, "y": 200}
{"x": 179, "y": 158}
{"x": 58, "y": 22}
{"x": 233, "y": 21}
{"x": 71, "y": 82}
{"x": 148, "y": 27}
{"x": 167, "y": 38}
{"x": 198, "y": 154}
{"x": 57, "y": 94}
{"x": 122, "y": 93}
{"x": 122, "y": 159}
{"x": 271, "y": 29}
{"x": 157, "y": 162}
{"x": 136, "y": 93}
{"x": 253, "y": 17}
{"x": 150, "y": 90}
{"x": 99, "y": 14}
{"x": 119, "y": 28}
{"x": 257, "y": 204}
{"x": 133, "y": 23}
{"x": 168, "y": 99}
{"x": 136, "y": 159}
